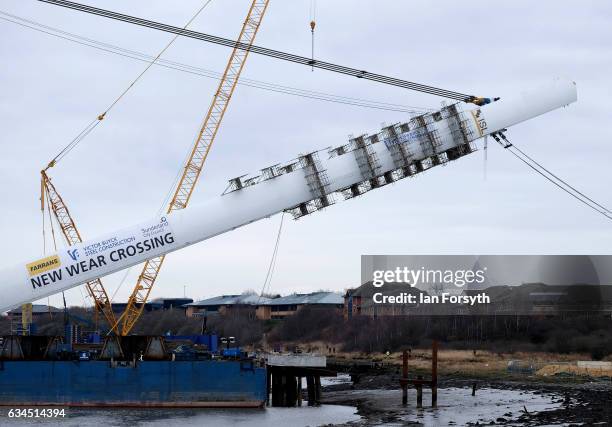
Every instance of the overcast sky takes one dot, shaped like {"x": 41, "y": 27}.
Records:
{"x": 51, "y": 88}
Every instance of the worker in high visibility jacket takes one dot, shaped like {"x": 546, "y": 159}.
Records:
{"x": 480, "y": 101}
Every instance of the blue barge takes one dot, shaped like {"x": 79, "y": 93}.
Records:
{"x": 173, "y": 382}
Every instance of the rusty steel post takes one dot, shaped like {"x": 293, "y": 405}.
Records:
{"x": 310, "y": 388}
{"x": 276, "y": 389}
{"x": 317, "y": 390}
{"x": 268, "y": 385}
{"x": 291, "y": 390}
{"x": 419, "y": 389}
{"x": 434, "y": 373}
{"x": 404, "y": 382}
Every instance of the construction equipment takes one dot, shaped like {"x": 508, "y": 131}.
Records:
{"x": 316, "y": 180}
{"x": 195, "y": 163}
{"x": 300, "y": 187}
{"x": 183, "y": 190}
{"x": 192, "y": 170}
{"x": 26, "y": 318}
{"x": 71, "y": 233}
{"x": 56, "y": 205}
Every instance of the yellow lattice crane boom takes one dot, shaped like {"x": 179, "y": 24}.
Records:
{"x": 70, "y": 232}
{"x": 195, "y": 163}
{"x": 184, "y": 188}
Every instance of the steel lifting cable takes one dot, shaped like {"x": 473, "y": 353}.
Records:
{"x": 257, "y": 49}
{"x": 264, "y": 51}
{"x": 51, "y": 223}
{"x": 547, "y": 174}
{"x": 94, "y": 123}
{"x": 132, "y": 54}
{"x": 313, "y": 24}
{"x": 42, "y": 211}
{"x": 603, "y": 212}
{"x": 75, "y": 141}
{"x": 274, "y": 258}
{"x": 272, "y": 264}
{"x": 123, "y": 279}
{"x": 190, "y": 69}
{"x": 559, "y": 179}
{"x": 512, "y": 146}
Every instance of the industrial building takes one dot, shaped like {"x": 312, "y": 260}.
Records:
{"x": 358, "y": 301}
{"x": 352, "y": 303}
{"x": 154, "y": 305}
{"x": 279, "y": 308}
{"x": 38, "y": 312}
{"x": 223, "y": 304}
{"x": 265, "y": 308}
{"x": 530, "y": 299}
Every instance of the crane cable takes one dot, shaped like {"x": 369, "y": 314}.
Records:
{"x": 51, "y": 221}
{"x": 313, "y": 24}
{"x": 550, "y": 176}
{"x": 42, "y": 211}
{"x": 190, "y": 69}
{"x": 95, "y": 122}
{"x": 362, "y": 74}
{"x": 531, "y": 159}
{"x": 272, "y": 264}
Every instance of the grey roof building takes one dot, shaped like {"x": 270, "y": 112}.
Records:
{"x": 265, "y": 308}
{"x": 38, "y": 310}
{"x": 312, "y": 298}
{"x": 223, "y": 303}
{"x": 279, "y": 308}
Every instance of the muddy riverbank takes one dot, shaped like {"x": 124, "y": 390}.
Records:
{"x": 511, "y": 401}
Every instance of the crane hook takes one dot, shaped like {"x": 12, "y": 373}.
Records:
{"x": 312, "y": 28}
{"x": 313, "y": 24}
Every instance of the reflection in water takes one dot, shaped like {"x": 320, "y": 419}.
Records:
{"x": 456, "y": 407}
{"x": 299, "y": 417}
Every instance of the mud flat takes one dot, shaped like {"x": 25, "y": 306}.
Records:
{"x": 532, "y": 402}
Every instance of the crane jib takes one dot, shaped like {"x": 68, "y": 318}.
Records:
{"x": 183, "y": 190}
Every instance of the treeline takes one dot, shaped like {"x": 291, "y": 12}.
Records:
{"x": 577, "y": 333}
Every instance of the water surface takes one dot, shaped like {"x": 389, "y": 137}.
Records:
{"x": 296, "y": 417}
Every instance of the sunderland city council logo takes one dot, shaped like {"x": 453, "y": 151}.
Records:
{"x": 45, "y": 264}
